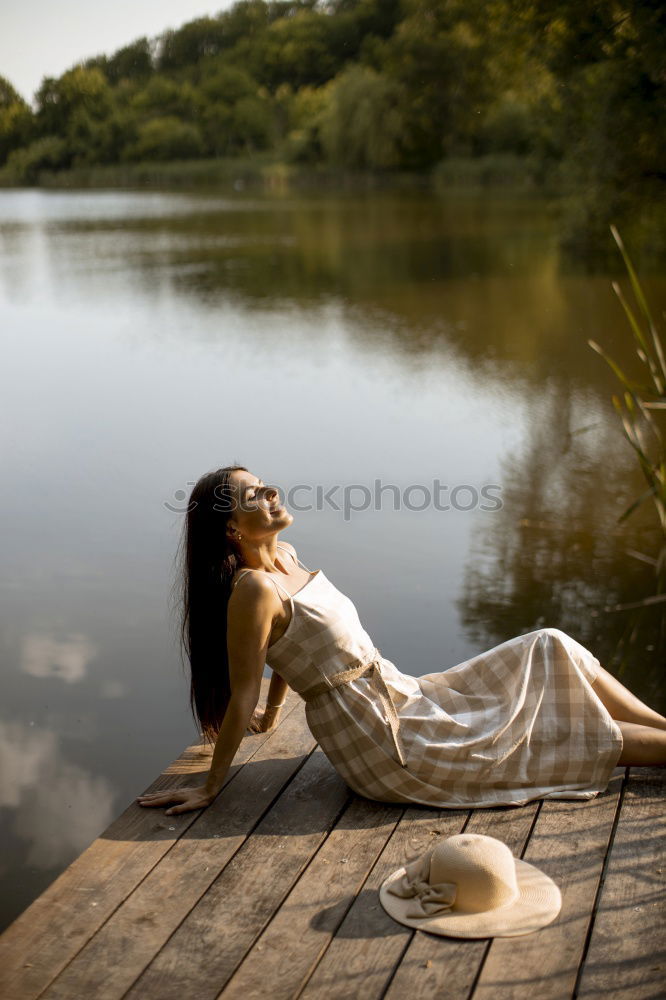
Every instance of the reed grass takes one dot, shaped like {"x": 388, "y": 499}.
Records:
{"x": 638, "y": 407}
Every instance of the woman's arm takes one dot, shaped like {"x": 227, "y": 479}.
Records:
{"x": 262, "y": 722}
{"x": 277, "y": 692}
{"x": 251, "y": 611}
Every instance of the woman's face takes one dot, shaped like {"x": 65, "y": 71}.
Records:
{"x": 258, "y": 512}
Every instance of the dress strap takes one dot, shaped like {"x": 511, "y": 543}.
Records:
{"x": 270, "y": 577}
{"x": 240, "y": 574}
{"x": 295, "y": 558}
{"x": 278, "y": 584}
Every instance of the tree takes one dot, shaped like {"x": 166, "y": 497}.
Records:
{"x": 16, "y": 120}
{"x": 164, "y": 97}
{"x": 206, "y": 36}
{"x": 363, "y": 121}
{"x": 610, "y": 65}
{"x": 252, "y": 124}
{"x": 79, "y": 89}
{"x": 575, "y": 86}
{"x": 8, "y": 95}
{"x": 217, "y": 127}
{"x": 223, "y": 82}
{"x": 132, "y": 62}
{"x": 25, "y": 165}
{"x": 166, "y": 138}
{"x": 438, "y": 55}
{"x": 304, "y": 112}
{"x": 610, "y": 122}
{"x": 298, "y": 50}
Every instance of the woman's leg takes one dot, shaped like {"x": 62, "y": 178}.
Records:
{"x": 624, "y": 706}
{"x": 642, "y": 746}
{"x": 643, "y": 730}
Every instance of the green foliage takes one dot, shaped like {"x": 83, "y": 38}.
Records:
{"x": 8, "y": 96}
{"x": 217, "y": 128}
{"x": 610, "y": 119}
{"x": 132, "y": 62}
{"x": 298, "y": 51}
{"x": 78, "y": 90}
{"x": 438, "y": 55}
{"x": 16, "y": 120}
{"x": 166, "y": 138}
{"x": 506, "y": 127}
{"x": 164, "y": 97}
{"x": 194, "y": 41}
{"x": 252, "y": 124}
{"x": 643, "y": 402}
{"x": 304, "y": 112}
{"x": 575, "y": 87}
{"x": 24, "y": 165}
{"x": 222, "y": 82}
{"x": 363, "y": 120}
{"x": 212, "y": 36}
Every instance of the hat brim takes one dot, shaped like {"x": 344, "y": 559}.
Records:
{"x": 538, "y": 904}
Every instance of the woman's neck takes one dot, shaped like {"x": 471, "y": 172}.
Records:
{"x": 263, "y": 555}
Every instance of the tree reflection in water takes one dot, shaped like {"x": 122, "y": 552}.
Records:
{"x": 555, "y": 555}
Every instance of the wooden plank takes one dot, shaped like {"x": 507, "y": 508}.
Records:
{"x": 435, "y": 966}
{"x": 569, "y": 843}
{"x": 44, "y": 938}
{"x": 369, "y": 944}
{"x": 627, "y": 951}
{"x": 210, "y": 943}
{"x": 286, "y": 953}
{"x": 122, "y": 948}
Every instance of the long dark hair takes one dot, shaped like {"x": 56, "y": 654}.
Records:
{"x": 206, "y": 562}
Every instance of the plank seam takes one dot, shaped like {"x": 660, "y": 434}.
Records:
{"x": 397, "y": 965}
{"x": 537, "y": 813}
{"x": 600, "y": 886}
{"x": 486, "y": 951}
{"x": 315, "y": 966}
{"x": 162, "y": 857}
{"x": 228, "y": 862}
{"x": 291, "y": 888}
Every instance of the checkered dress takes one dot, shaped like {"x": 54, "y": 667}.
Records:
{"x": 516, "y": 723}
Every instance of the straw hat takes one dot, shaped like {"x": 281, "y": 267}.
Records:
{"x": 471, "y": 886}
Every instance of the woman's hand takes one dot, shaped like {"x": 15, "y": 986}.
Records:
{"x": 187, "y": 799}
{"x": 263, "y": 722}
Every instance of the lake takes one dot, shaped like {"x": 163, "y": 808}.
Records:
{"x": 412, "y": 370}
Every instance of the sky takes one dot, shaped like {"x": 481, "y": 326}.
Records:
{"x": 41, "y": 38}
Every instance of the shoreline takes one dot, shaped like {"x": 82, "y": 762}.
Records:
{"x": 585, "y": 214}
{"x": 271, "y": 173}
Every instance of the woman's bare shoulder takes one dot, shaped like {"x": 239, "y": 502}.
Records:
{"x": 251, "y": 589}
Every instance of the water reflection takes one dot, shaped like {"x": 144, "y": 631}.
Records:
{"x": 46, "y": 656}
{"x": 57, "y": 806}
{"x": 407, "y": 276}
{"x": 556, "y": 555}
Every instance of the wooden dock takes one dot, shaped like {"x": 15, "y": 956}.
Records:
{"x": 272, "y": 892}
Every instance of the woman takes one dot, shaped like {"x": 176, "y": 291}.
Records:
{"x": 535, "y": 717}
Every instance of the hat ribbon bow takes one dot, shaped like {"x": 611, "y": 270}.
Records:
{"x": 430, "y": 898}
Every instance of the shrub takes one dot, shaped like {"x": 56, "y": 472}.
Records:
{"x": 166, "y": 138}
{"x": 24, "y": 165}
